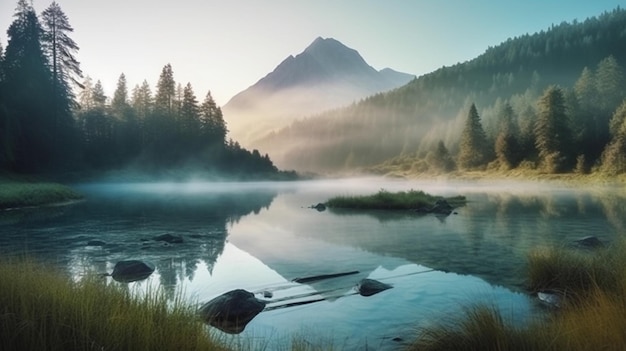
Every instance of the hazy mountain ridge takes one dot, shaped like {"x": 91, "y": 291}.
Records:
{"x": 414, "y": 117}
{"x": 326, "y": 75}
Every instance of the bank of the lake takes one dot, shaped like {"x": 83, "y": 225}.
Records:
{"x": 522, "y": 175}
{"x": 43, "y": 309}
{"x": 587, "y": 293}
{"x": 16, "y": 192}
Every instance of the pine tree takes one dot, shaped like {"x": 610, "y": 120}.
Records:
{"x": 506, "y": 144}
{"x": 552, "y": 134}
{"x": 614, "y": 156}
{"x": 142, "y": 101}
{"x": 189, "y": 114}
{"x": 164, "y": 101}
{"x": 212, "y": 124}
{"x": 27, "y": 89}
{"x": 119, "y": 103}
{"x": 440, "y": 159}
{"x": 127, "y": 131}
{"x": 473, "y": 147}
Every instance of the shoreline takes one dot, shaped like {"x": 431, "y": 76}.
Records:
{"x": 18, "y": 194}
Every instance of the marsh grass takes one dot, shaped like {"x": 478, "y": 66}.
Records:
{"x": 594, "y": 317}
{"x": 44, "y": 310}
{"x": 385, "y": 200}
{"x": 25, "y": 194}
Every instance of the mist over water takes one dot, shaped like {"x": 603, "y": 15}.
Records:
{"x": 260, "y": 236}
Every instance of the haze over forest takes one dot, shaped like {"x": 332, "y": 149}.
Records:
{"x": 420, "y": 125}
{"x": 552, "y": 100}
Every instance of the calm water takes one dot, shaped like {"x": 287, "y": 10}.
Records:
{"x": 260, "y": 236}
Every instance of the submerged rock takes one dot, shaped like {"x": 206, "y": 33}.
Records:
{"x": 231, "y": 311}
{"x": 320, "y": 207}
{"x": 169, "y": 238}
{"x": 441, "y": 207}
{"x": 590, "y": 241}
{"x": 550, "y": 298}
{"x": 369, "y": 287}
{"x": 96, "y": 242}
{"x": 132, "y": 270}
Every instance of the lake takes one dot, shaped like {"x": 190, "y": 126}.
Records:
{"x": 261, "y": 236}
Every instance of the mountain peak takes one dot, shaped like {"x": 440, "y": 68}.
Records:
{"x": 324, "y": 44}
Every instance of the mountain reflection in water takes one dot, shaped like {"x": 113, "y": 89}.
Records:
{"x": 260, "y": 236}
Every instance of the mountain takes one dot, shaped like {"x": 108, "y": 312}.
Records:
{"x": 326, "y": 75}
{"x": 412, "y": 119}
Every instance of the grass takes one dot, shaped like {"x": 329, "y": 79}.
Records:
{"x": 385, "y": 200}
{"x": 593, "y": 317}
{"x": 19, "y": 193}
{"x": 44, "y": 310}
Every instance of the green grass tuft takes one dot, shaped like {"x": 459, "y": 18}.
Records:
{"x": 593, "y": 318}
{"x": 44, "y": 310}
{"x": 26, "y": 194}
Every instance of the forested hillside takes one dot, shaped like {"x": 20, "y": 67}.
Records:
{"x": 426, "y": 117}
{"x": 46, "y": 127}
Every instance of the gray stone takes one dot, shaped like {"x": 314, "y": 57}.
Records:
{"x": 369, "y": 287}
{"x": 169, "y": 238}
{"x": 231, "y": 311}
{"x": 591, "y": 242}
{"x": 132, "y": 270}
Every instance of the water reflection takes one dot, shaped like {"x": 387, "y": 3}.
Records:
{"x": 260, "y": 236}
{"x": 126, "y": 218}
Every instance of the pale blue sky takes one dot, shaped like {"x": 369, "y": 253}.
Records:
{"x": 228, "y": 45}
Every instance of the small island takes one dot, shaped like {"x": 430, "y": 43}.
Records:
{"x": 416, "y": 200}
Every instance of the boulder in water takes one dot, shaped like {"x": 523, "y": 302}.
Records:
{"x": 132, "y": 270}
{"x": 169, "y": 238}
{"x": 590, "y": 242}
{"x": 231, "y": 311}
{"x": 369, "y": 287}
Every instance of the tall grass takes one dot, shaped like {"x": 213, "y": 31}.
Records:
{"x": 24, "y": 194}
{"x": 385, "y": 200}
{"x": 594, "y": 318}
{"x": 44, "y": 310}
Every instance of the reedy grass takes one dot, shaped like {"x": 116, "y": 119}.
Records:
{"x": 25, "y": 194}
{"x": 385, "y": 200}
{"x": 594, "y": 317}
{"x": 43, "y": 310}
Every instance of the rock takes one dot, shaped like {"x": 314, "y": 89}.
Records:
{"x": 369, "y": 287}
{"x": 441, "y": 207}
{"x": 96, "y": 242}
{"x": 591, "y": 242}
{"x": 132, "y": 270}
{"x": 169, "y": 238}
{"x": 320, "y": 207}
{"x": 550, "y": 298}
{"x": 231, "y": 311}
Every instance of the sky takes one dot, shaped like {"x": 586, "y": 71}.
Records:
{"x": 226, "y": 46}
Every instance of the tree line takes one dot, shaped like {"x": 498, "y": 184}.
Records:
{"x": 411, "y": 121}
{"x": 46, "y": 128}
{"x": 578, "y": 129}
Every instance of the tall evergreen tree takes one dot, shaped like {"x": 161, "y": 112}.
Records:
{"x": 552, "y": 134}
{"x": 164, "y": 100}
{"x": 473, "y": 147}
{"x": 141, "y": 101}
{"x": 506, "y": 143}
{"x": 614, "y": 156}
{"x": 212, "y": 124}
{"x": 119, "y": 103}
{"x": 27, "y": 85}
{"x": 59, "y": 48}
{"x": 189, "y": 114}
{"x": 127, "y": 131}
